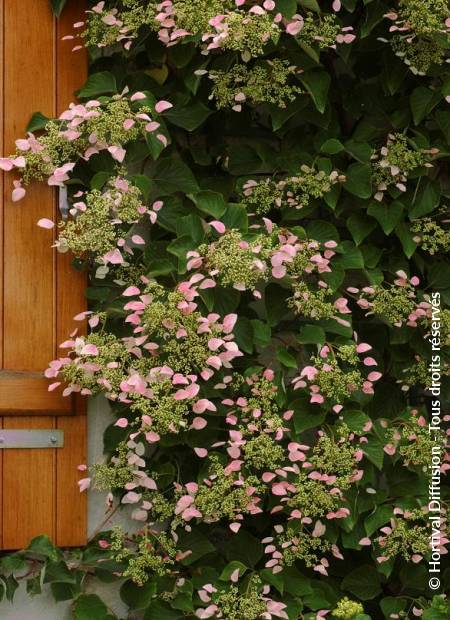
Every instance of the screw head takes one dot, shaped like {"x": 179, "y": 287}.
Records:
{"x": 53, "y": 439}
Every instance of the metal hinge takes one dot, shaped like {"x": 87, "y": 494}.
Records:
{"x": 30, "y": 438}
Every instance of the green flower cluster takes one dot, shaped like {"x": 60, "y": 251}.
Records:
{"x": 194, "y": 15}
{"x": 415, "y": 443}
{"x": 410, "y": 535}
{"x": 127, "y": 274}
{"x": 297, "y": 191}
{"x": 160, "y": 508}
{"x": 423, "y": 37}
{"x": 162, "y": 320}
{"x": 263, "y": 452}
{"x": 50, "y": 151}
{"x": 221, "y": 498}
{"x": 335, "y": 457}
{"x": 237, "y": 261}
{"x": 395, "y": 162}
{"x": 312, "y": 498}
{"x": 109, "y": 128}
{"x": 431, "y": 236}
{"x": 321, "y": 32}
{"x": 115, "y": 474}
{"x": 96, "y": 229}
{"x": 133, "y": 15}
{"x": 420, "y": 53}
{"x": 424, "y": 17}
{"x": 417, "y": 373}
{"x": 91, "y": 231}
{"x": 262, "y": 196}
{"x": 298, "y": 545}
{"x": 236, "y": 605}
{"x": 312, "y": 303}
{"x": 338, "y": 375}
{"x": 61, "y": 144}
{"x": 112, "y": 361}
{"x": 347, "y": 609}
{"x": 308, "y": 184}
{"x": 167, "y": 415}
{"x": 152, "y": 553}
{"x": 266, "y": 82}
{"x": 249, "y": 33}
{"x": 393, "y": 303}
{"x": 262, "y": 398}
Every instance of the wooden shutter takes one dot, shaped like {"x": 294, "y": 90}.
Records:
{"x": 39, "y": 291}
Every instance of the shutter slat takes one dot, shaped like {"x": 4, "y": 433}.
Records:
{"x": 27, "y": 392}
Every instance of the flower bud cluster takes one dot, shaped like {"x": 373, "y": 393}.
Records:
{"x": 336, "y": 373}
{"x": 265, "y": 82}
{"x": 82, "y": 131}
{"x": 395, "y": 162}
{"x": 431, "y": 236}
{"x": 397, "y": 304}
{"x": 421, "y": 33}
{"x": 295, "y": 192}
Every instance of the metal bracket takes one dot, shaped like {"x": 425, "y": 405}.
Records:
{"x": 28, "y": 438}
{"x": 63, "y": 203}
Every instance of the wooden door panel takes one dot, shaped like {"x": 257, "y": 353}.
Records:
{"x": 39, "y": 291}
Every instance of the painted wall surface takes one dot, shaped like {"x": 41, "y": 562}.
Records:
{"x": 43, "y": 607}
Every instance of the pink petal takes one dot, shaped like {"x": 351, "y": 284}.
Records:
{"x": 6, "y": 164}
{"x": 374, "y": 376}
{"x": 294, "y": 27}
{"x": 18, "y": 194}
{"x": 45, "y": 223}
{"x": 162, "y": 138}
{"x": 131, "y": 291}
{"x": 219, "y": 226}
{"x": 84, "y": 484}
{"x": 152, "y": 437}
{"x": 199, "y": 423}
{"x": 137, "y": 96}
{"x": 279, "y": 489}
{"x": 363, "y": 347}
{"x": 89, "y": 349}
{"x": 201, "y": 452}
{"x": 117, "y": 153}
{"x": 369, "y": 361}
{"x": 138, "y": 240}
{"x": 152, "y": 126}
{"x": 234, "y": 577}
{"x": 279, "y": 272}
{"x": 161, "y": 106}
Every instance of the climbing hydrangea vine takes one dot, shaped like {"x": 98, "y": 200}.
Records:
{"x": 258, "y": 191}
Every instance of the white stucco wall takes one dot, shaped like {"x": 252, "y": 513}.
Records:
{"x": 43, "y": 607}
